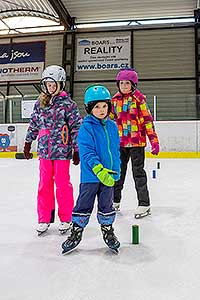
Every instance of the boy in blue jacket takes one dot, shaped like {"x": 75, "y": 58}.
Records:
{"x": 98, "y": 143}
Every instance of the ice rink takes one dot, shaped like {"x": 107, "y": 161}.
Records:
{"x": 164, "y": 266}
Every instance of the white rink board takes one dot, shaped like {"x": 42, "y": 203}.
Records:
{"x": 174, "y": 136}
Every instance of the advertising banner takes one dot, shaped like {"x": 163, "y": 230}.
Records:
{"x": 103, "y": 53}
{"x": 22, "y": 61}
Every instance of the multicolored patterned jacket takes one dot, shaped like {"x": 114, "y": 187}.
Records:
{"x": 56, "y": 127}
{"x": 133, "y": 119}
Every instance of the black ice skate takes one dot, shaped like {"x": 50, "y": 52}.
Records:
{"x": 73, "y": 240}
{"x": 109, "y": 238}
{"x": 142, "y": 211}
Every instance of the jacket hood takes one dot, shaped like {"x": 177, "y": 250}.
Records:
{"x": 120, "y": 96}
{"x": 60, "y": 97}
{"x": 90, "y": 119}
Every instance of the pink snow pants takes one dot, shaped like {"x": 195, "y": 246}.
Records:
{"x": 54, "y": 171}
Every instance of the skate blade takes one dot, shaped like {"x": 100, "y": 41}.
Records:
{"x": 64, "y": 252}
{"x": 140, "y": 216}
{"x": 115, "y": 251}
{"x": 42, "y": 233}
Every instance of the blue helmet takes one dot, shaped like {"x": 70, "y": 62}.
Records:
{"x": 96, "y": 93}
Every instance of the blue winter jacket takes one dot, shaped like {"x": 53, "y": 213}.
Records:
{"x": 98, "y": 142}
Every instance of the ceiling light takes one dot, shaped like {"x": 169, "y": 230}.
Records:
{"x": 21, "y": 22}
{"x": 166, "y": 21}
{"x": 103, "y": 24}
{"x": 41, "y": 29}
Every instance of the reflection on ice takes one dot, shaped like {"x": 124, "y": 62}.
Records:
{"x": 162, "y": 266}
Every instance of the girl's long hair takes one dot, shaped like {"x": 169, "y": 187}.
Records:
{"x": 44, "y": 100}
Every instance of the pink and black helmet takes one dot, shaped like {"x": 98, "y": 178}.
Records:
{"x": 128, "y": 74}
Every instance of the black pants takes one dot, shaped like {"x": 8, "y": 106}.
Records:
{"x": 137, "y": 156}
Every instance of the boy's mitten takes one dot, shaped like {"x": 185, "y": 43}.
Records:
{"x": 103, "y": 175}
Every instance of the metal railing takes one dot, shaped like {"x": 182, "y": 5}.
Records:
{"x": 11, "y": 108}
{"x": 180, "y": 107}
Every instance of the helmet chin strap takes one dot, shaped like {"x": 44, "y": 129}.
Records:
{"x": 44, "y": 89}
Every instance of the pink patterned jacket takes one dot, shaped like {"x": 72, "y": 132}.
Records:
{"x": 133, "y": 119}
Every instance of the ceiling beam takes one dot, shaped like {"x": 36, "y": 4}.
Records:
{"x": 63, "y": 13}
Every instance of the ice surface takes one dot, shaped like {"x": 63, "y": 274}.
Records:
{"x": 164, "y": 266}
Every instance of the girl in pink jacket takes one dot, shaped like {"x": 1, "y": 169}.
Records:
{"x": 134, "y": 122}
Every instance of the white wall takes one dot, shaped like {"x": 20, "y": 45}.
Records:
{"x": 21, "y": 134}
{"x": 174, "y": 136}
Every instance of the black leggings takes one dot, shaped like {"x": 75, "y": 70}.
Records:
{"x": 137, "y": 156}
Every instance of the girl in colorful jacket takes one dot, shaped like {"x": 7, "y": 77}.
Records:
{"x": 55, "y": 122}
{"x": 134, "y": 121}
{"x": 98, "y": 142}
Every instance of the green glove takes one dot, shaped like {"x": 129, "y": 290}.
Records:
{"x": 103, "y": 175}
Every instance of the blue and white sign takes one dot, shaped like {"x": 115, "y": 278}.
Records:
{"x": 108, "y": 53}
{"x": 22, "y": 61}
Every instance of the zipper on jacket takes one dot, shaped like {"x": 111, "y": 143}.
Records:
{"x": 107, "y": 136}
